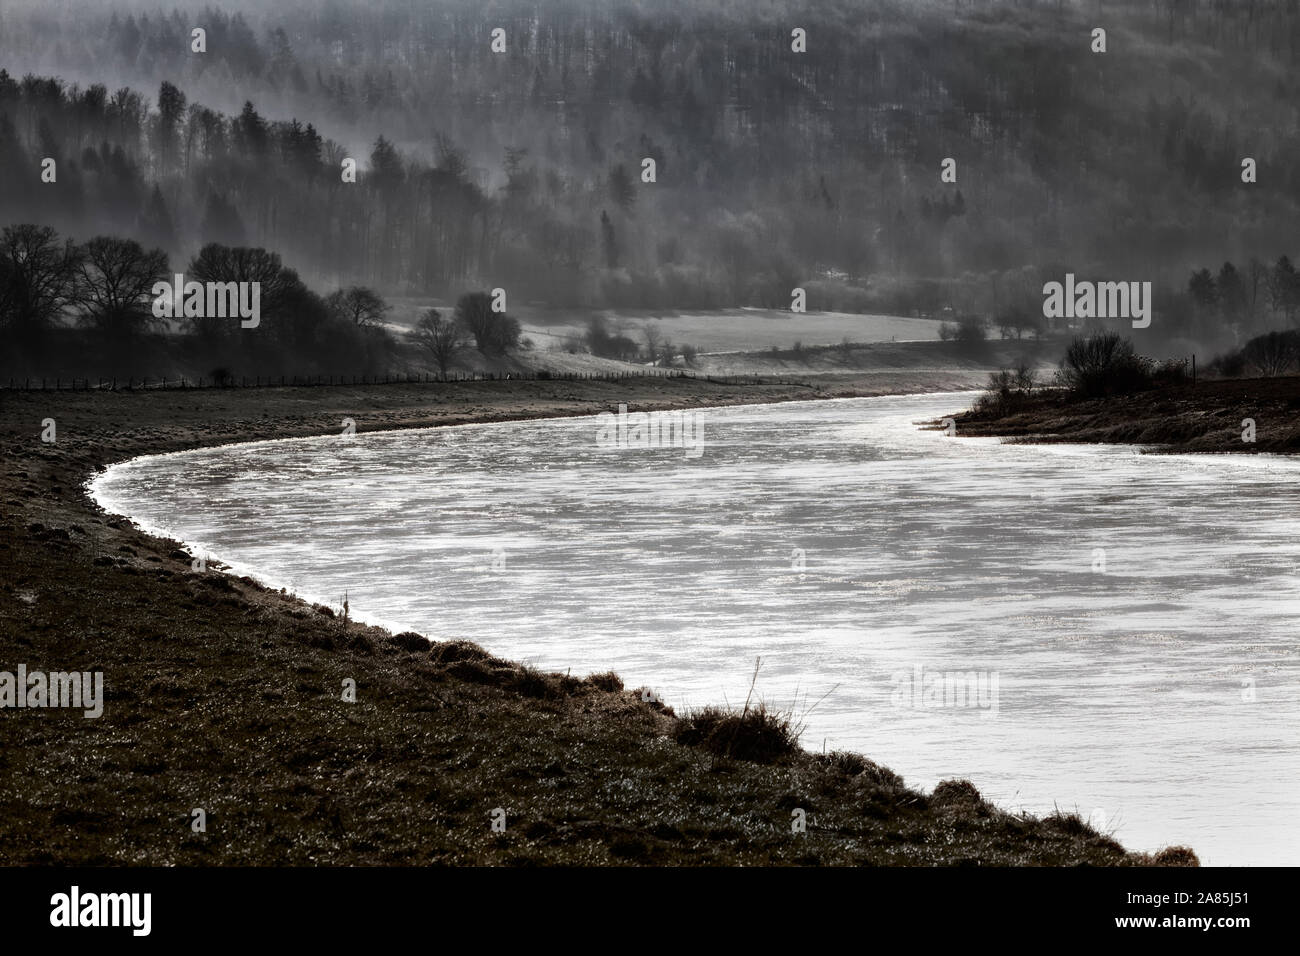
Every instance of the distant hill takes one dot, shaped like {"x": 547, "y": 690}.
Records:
{"x": 523, "y": 169}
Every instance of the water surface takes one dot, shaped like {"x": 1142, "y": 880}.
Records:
{"x": 1138, "y": 613}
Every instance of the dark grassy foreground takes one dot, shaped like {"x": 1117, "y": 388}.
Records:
{"x": 225, "y": 696}
{"x": 1206, "y": 417}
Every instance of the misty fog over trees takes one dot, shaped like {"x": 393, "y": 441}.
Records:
{"x": 523, "y": 169}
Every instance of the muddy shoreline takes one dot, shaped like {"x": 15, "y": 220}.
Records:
{"x": 1213, "y": 416}
{"x": 224, "y": 696}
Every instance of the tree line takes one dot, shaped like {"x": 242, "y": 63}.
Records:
{"x": 68, "y": 304}
{"x": 90, "y": 306}
{"x": 1247, "y": 299}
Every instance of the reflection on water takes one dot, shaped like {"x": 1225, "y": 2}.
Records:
{"x": 1080, "y": 627}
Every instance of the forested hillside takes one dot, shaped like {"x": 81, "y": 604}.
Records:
{"x": 773, "y": 168}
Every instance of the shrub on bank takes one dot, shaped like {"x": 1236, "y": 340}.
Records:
{"x": 1269, "y": 355}
{"x": 1106, "y": 364}
{"x": 1007, "y": 389}
{"x": 969, "y": 333}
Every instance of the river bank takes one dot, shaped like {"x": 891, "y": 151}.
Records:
{"x": 224, "y": 696}
{"x": 1211, "y": 416}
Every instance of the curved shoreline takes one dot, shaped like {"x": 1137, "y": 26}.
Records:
{"x": 238, "y": 570}
{"x": 222, "y": 694}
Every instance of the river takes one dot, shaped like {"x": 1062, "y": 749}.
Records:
{"x": 1074, "y": 627}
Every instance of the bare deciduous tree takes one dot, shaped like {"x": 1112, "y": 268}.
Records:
{"x": 492, "y": 332}
{"x": 653, "y": 340}
{"x": 358, "y": 304}
{"x": 439, "y": 337}
{"x": 114, "y": 282}
{"x": 36, "y": 278}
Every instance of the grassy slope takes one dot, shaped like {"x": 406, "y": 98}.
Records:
{"x": 225, "y": 696}
{"x": 973, "y": 364}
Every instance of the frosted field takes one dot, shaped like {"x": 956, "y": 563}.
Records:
{"x": 749, "y": 330}
{"x": 1127, "y": 623}
{"x": 722, "y": 330}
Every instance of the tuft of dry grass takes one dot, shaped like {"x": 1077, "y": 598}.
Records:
{"x": 1176, "y": 856}
{"x": 755, "y": 733}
